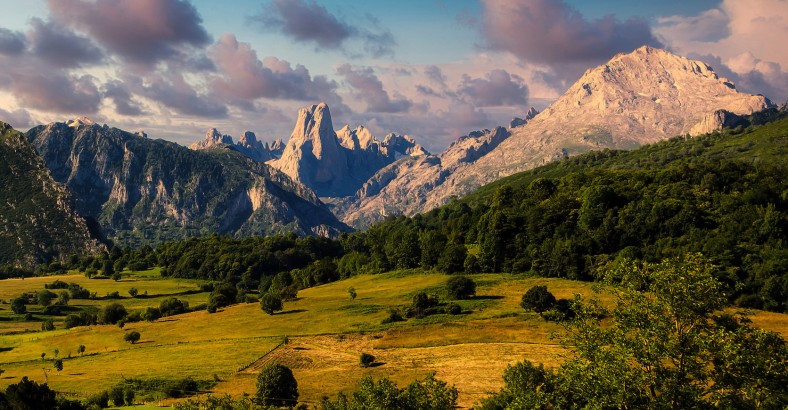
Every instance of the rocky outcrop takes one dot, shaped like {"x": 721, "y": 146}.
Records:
{"x": 337, "y": 163}
{"x": 638, "y": 98}
{"x": 38, "y": 223}
{"x": 248, "y": 145}
{"x": 147, "y": 191}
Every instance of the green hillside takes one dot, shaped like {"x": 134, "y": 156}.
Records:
{"x": 723, "y": 195}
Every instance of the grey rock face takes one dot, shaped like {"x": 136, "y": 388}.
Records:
{"x": 38, "y": 223}
{"x": 337, "y": 163}
{"x": 141, "y": 190}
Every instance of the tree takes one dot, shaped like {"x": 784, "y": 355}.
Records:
{"x": 537, "y": 299}
{"x": 151, "y": 313}
{"x": 47, "y": 325}
{"x": 452, "y": 259}
{"x": 351, "y": 291}
{"x": 58, "y": 365}
{"x": 366, "y": 359}
{"x": 133, "y": 292}
{"x": 173, "y": 306}
{"x": 18, "y": 305}
{"x": 427, "y": 394}
{"x": 81, "y": 350}
{"x": 460, "y": 287}
{"x": 63, "y": 297}
{"x": 662, "y": 348}
{"x": 270, "y": 303}
{"x": 112, "y": 314}
{"x": 108, "y": 270}
{"x": 29, "y": 395}
{"x": 223, "y": 294}
{"x": 276, "y": 386}
{"x": 132, "y": 337}
{"x": 45, "y": 297}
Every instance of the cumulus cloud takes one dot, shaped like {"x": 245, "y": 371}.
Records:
{"x": 122, "y": 98}
{"x": 552, "y": 32}
{"x": 309, "y": 22}
{"x": 20, "y": 119}
{"x": 244, "y": 77}
{"x": 56, "y": 92}
{"x": 139, "y": 31}
{"x": 744, "y": 49}
{"x": 498, "y": 88}
{"x": 173, "y": 91}
{"x": 368, "y": 88}
{"x": 435, "y": 74}
{"x": 61, "y": 47}
{"x": 11, "y": 42}
{"x": 711, "y": 25}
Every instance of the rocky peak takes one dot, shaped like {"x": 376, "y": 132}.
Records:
{"x": 248, "y": 139}
{"x": 517, "y": 121}
{"x": 79, "y": 121}
{"x": 213, "y": 138}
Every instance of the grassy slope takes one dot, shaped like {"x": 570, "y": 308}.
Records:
{"x": 327, "y": 332}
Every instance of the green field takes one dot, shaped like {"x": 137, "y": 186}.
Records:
{"x": 326, "y": 331}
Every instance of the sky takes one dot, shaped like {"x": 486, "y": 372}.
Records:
{"x": 431, "y": 69}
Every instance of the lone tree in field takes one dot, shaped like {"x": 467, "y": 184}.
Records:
{"x": 351, "y": 291}
{"x": 58, "y": 365}
{"x": 81, "y": 350}
{"x": 133, "y": 292}
{"x": 132, "y": 337}
{"x": 276, "y": 386}
{"x": 270, "y": 303}
{"x": 538, "y": 299}
{"x": 112, "y": 314}
{"x": 460, "y": 287}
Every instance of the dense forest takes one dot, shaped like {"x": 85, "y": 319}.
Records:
{"x": 722, "y": 195}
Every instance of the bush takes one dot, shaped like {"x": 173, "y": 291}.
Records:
{"x": 78, "y": 292}
{"x": 366, "y": 359}
{"x": 151, "y": 313}
{"x": 276, "y": 386}
{"x": 112, "y": 314}
{"x": 173, "y": 306}
{"x": 133, "y": 292}
{"x": 453, "y": 309}
{"x": 132, "y": 337}
{"x": 394, "y": 316}
{"x": 223, "y": 294}
{"x": 18, "y": 305}
{"x": 537, "y": 299}
{"x": 28, "y": 394}
{"x": 58, "y": 284}
{"x": 47, "y": 325}
{"x": 460, "y": 287}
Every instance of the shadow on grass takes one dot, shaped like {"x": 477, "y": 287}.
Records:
{"x": 287, "y": 312}
{"x": 487, "y": 297}
{"x": 376, "y": 364}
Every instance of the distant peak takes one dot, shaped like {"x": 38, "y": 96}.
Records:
{"x": 76, "y": 122}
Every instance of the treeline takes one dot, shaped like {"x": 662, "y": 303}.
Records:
{"x": 722, "y": 195}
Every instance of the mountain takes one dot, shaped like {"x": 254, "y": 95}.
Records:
{"x": 337, "y": 163}
{"x": 248, "y": 145}
{"x": 38, "y": 223}
{"x": 638, "y": 98}
{"x": 148, "y": 191}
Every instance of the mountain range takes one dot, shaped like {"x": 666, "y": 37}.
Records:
{"x": 133, "y": 190}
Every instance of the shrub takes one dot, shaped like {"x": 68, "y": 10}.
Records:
{"x": 133, "y": 292}
{"x": 18, "y": 305}
{"x": 58, "y": 284}
{"x": 47, "y": 325}
{"x": 366, "y": 359}
{"x": 132, "y": 337}
{"x": 151, "y": 313}
{"x": 394, "y": 316}
{"x": 453, "y": 309}
{"x": 173, "y": 306}
{"x": 460, "y": 287}
{"x": 276, "y": 386}
{"x": 223, "y": 294}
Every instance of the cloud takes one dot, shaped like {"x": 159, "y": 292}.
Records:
{"x": 61, "y": 47}
{"x": 244, "y": 77}
{"x": 711, "y": 25}
{"x": 368, "y": 88}
{"x": 435, "y": 74}
{"x": 552, "y": 32}
{"x": 56, "y": 91}
{"x": 498, "y": 88}
{"x": 20, "y": 119}
{"x": 309, "y": 22}
{"x": 121, "y": 97}
{"x": 139, "y": 31}
{"x": 173, "y": 91}
{"x": 11, "y": 42}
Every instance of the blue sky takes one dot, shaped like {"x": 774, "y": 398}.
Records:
{"x": 434, "y": 70}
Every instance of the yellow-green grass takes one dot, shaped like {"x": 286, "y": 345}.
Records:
{"x": 327, "y": 329}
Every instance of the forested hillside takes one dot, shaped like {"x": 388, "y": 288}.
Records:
{"x": 722, "y": 195}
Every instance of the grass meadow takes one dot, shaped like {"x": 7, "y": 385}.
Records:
{"x": 326, "y": 332}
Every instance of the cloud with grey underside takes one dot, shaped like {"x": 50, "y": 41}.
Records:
{"x": 139, "y": 31}
{"x": 367, "y": 87}
{"x": 309, "y": 22}
{"x": 552, "y": 32}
